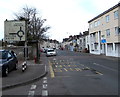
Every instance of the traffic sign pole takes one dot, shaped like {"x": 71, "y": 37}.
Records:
{"x": 26, "y": 41}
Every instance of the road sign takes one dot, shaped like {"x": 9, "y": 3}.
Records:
{"x": 103, "y": 41}
{"x": 14, "y": 30}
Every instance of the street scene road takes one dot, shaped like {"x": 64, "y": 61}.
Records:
{"x": 60, "y": 48}
{"x": 73, "y": 73}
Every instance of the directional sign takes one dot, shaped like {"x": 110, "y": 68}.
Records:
{"x": 14, "y": 30}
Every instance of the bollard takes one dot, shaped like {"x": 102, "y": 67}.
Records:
{"x": 24, "y": 66}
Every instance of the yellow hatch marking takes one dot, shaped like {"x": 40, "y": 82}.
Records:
{"x": 60, "y": 65}
{"x": 99, "y": 73}
{"x": 65, "y": 69}
{"x": 78, "y": 69}
{"x": 71, "y": 69}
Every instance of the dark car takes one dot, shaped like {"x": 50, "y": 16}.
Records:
{"x": 8, "y": 61}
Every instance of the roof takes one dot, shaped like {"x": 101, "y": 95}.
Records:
{"x": 117, "y": 5}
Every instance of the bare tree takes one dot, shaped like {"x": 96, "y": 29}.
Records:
{"x": 35, "y": 24}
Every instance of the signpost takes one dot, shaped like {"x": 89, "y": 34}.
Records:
{"x": 16, "y": 31}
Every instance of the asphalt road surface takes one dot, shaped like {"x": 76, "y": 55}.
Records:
{"x": 74, "y": 73}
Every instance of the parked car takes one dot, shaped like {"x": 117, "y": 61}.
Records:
{"x": 42, "y": 49}
{"x": 8, "y": 62}
{"x": 46, "y": 50}
{"x": 51, "y": 52}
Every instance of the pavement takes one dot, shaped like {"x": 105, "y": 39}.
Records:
{"x": 17, "y": 78}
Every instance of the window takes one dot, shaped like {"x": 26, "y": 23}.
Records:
{"x": 116, "y": 14}
{"x": 117, "y": 31}
{"x": 90, "y": 25}
{"x": 9, "y": 55}
{"x": 95, "y": 24}
{"x": 98, "y": 22}
{"x": 107, "y": 18}
{"x": 108, "y": 32}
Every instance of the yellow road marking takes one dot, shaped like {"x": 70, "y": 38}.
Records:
{"x": 60, "y": 70}
{"x": 56, "y": 66}
{"x": 69, "y": 65}
{"x": 99, "y": 73}
{"x": 57, "y": 70}
{"x": 78, "y": 69}
{"x": 60, "y": 65}
{"x": 75, "y": 65}
{"x": 65, "y": 69}
{"x": 51, "y": 70}
{"x": 71, "y": 69}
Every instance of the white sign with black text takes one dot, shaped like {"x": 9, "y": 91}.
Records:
{"x": 14, "y": 30}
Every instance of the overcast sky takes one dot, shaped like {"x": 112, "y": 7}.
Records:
{"x": 66, "y": 17}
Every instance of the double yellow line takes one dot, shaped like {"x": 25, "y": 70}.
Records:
{"x": 51, "y": 70}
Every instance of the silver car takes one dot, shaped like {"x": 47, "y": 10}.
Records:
{"x": 51, "y": 52}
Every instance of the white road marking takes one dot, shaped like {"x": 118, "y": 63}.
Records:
{"x": 44, "y": 86}
{"x": 45, "y": 78}
{"x": 31, "y": 93}
{"x": 105, "y": 67}
{"x": 45, "y": 68}
{"x": 44, "y": 93}
{"x": 44, "y": 81}
{"x": 33, "y": 87}
{"x": 54, "y": 59}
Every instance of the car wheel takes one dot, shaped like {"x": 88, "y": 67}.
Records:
{"x": 5, "y": 73}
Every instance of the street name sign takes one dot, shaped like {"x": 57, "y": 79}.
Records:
{"x": 14, "y": 30}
